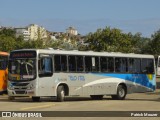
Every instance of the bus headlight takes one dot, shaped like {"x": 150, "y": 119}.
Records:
{"x": 10, "y": 86}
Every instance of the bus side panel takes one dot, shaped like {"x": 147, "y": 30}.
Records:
{"x": 96, "y": 84}
{"x": 46, "y": 86}
{"x": 133, "y": 82}
{"x": 3, "y": 80}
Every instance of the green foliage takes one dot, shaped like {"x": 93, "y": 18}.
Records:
{"x": 110, "y": 40}
{"x": 59, "y": 44}
{"x": 7, "y": 43}
{"x": 153, "y": 46}
{"x": 8, "y": 32}
{"x": 7, "y": 40}
{"x": 107, "y": 39}
{"x": 34, "y": 44}
{"x": 139, "y": 43}
{"x": 20, "y": 43}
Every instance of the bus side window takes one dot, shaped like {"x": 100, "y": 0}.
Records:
{"x": 144, "y": 66}
{"x": 103, "y": 63}
{"x": 63, "y": 63}
{"x": 95, "y": 64}
{"x": 57, "y": 63}
{"x": 118, "y": 64}
{"x": 110, "y": 64}
{"x": 88, "y": 64}
{"x": 130, "y": 65}
{"x": 147, "y": 66}
{"x": 72, "y": 63}
{"x": 45, "y": 67}
{"x": 80, "y": 63}
{"x": 151, "y": 66}
{"x": 60, "y": 63}
{"x": 137, "y": 65}
{"x": 124, "y": 65}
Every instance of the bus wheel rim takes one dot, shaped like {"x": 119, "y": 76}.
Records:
{"x": 121, "y": 92}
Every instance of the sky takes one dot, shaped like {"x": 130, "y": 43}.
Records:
{"x": 85, "y": 15}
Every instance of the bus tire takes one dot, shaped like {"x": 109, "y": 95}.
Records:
{"x": 121, "y": 93}
{"x": 35, "y": 99}
{"x": 96, "y": 97}
{"x": 60, "y": 93}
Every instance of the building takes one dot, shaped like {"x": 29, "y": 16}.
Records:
{"x": 72, "y": 31}
{"x": 37, "y": 32}
{"x": 22, "y": 32}
{"x": 32, "y": 32}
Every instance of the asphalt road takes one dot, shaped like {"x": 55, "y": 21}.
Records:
{"x": 133, "y": 102}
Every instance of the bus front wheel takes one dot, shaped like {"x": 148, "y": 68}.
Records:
{"x": 35, "y": 99}
{"x": 60, "y": 93}
{"x": 121, "y": 93}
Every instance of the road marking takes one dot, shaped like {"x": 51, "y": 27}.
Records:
{"x": 35, "y": 107}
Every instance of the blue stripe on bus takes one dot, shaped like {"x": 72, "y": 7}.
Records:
{"x": 141, "y": 79}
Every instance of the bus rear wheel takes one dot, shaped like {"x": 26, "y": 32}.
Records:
{"x": 121, "y": 93}
{"x": 60, "y": 93}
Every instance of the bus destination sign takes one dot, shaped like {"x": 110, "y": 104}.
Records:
{"x": 23, "y": 54}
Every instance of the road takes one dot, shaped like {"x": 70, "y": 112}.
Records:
{"x": 133, "y": 102}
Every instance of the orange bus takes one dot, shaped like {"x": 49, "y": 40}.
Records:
{"x": 3, "y": 72}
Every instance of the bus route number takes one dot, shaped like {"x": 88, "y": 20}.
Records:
{"x": 79, "y": 78}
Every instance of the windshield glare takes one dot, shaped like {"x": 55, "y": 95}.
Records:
{"x": 22, "y": 69}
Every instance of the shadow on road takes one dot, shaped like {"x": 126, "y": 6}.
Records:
{"x": 143, "y": 99}
{"x": 150, "y": 96}
{"x": 78, "y": 99}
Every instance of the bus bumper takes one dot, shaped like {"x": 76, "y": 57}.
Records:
{"x": 21, "y": 92}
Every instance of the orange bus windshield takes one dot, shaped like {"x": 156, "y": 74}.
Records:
{"x": 3, "y": 62}
{"x": 3, "y": 71}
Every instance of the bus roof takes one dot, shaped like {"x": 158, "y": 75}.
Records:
{"x": 87, "y": 53}
{"x": 4, "y": 53}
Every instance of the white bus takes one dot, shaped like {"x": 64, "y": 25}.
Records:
{"x": 158, "y": 65}
{"x": 46, "y": 73}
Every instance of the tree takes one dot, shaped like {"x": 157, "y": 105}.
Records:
{"x": 37, "y": 44}
{"x": 20, "y": 43}
{"x": 8, "y": 32}
{"x": 7, "y": 43}
{"x": 153, "y": 46}
{"x": 111, "y": 40}
{"x": 7, "y": 40}
{"x": 138, "y": 42}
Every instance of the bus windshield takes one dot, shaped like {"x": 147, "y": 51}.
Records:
{"x": 3, "y": 62}
{"x": 22, "y": 69}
